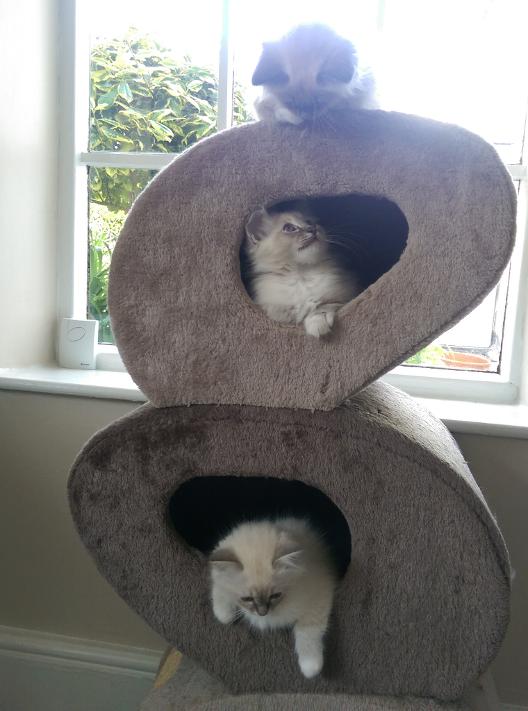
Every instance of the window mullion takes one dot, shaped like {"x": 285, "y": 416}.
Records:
{"x": 225, "y": 71}
{"x": 73, "y": 138}
{"x": 157, "y": 161}
{"x": 139, "y": 161}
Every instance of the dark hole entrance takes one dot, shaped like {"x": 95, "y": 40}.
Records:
{"x": 368, "y": 233}
{"x": 205, "y": 509}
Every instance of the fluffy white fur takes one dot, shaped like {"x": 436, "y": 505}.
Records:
{"x": 293, "y": 275}
{"x": 309, "y": 75}
{"x": 276, "y": 574}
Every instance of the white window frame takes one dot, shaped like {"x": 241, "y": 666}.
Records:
{"x": 503, "y": 387}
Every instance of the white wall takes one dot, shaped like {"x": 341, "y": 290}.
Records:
{"x": 53, "y": 585}
{"x": 28, "y": 179}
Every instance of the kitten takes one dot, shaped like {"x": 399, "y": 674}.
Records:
{"x": 276, "y": 574}
{"x": 310, "y": 74}
{"x": 293, "y": 275}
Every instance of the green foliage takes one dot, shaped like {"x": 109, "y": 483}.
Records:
{"x": 105, "y": 226}
{"x": 430, "y": 356}
{"x": 141, "y": 99}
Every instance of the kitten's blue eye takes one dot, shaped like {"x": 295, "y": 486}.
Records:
{"x": 275, "y": 596}
{"x": 288, "y": 227}
{"x": 246, "y": 599}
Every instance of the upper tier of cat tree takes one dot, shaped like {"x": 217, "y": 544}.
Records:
{"x": 184, "y": 324}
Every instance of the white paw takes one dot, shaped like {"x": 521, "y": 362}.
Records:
{"x": 311, "y": 666}
{"x": 223, "y": 614}
{"x": 319, "y": 324}
{"x": 330, "y": 318}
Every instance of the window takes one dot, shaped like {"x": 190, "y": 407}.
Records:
{"x": 159, "y": 80}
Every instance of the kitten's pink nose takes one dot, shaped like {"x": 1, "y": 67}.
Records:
{"x": 263, "y": 610}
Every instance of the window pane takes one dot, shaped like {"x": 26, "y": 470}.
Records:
{"x": 111, "y": 193}
{"x": 153, "y": 75}
{"x": 472, "y": 344}
{"x": 461, "y": 62}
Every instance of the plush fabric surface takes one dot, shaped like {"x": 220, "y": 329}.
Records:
{"x": 189, "y": 687}
{"x": 424, "y": 604}
{"x": 327, "y": 702}
{"x": 184, "y": 324}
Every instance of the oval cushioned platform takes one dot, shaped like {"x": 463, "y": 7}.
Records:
{"x": 424, "y": 604}
{"x": 190, "y": 688}
{"x": 328, "y": 702}
{"x": 184, "y": 324}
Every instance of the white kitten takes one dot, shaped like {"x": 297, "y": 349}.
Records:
{"x": 293, "y": 274}
{"x": 276, "y": 574}
{"x": 310, "y": 74}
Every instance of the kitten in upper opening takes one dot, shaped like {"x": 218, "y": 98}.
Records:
{"x": 311, "y": 74}
{"x": 293, "y": 274}
{"x": 276, "y": 574}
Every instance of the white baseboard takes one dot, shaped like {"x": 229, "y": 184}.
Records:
{"x": 56, "y": 649}
{"x": 51, "y": 672}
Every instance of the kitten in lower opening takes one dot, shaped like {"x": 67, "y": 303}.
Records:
{"x": 273, "y": 574}
{"x": 311, "y": 75}
{"x": 293, "y": 274}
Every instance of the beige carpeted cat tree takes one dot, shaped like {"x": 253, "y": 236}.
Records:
{"x": 251, "y": 417}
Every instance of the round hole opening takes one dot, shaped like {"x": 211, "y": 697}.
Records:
{"x": 204, "y": 509}
{"x": 367, "y": 234}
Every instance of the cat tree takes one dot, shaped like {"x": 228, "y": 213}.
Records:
{"x": 249, "y": 416}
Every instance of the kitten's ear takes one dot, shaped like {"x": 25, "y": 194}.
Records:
{"x": 224, "y": 557}
{"x": 288, "y": 553}
{"x": 341, "y": 65}
{"x": 256, "y": 225}
{"x": 269, "y": 69}
{"x": 289, "y": 560}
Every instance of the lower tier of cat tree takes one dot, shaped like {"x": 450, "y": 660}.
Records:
{"x": 423, "y": 601}
{"x": 182, "y": 685}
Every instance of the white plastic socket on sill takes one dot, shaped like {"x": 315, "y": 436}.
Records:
{"x": 507, "y": 420}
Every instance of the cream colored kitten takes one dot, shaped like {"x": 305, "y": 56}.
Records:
{"x": 293, "y": 274}
{"x": 276, "y": 574}
{"x": 311, "y": 74}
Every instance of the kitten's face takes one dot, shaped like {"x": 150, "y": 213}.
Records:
{"x": 308, "y": 71}
{"x": 257, "y": 581}
{"x": 259, "y": 600}
{"x": 285, "y": 238}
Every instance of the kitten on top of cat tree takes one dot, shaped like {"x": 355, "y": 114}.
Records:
{"x": 311, "y": 75}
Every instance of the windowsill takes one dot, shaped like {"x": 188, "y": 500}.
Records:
{"x": 506, "y": 420}
{"x": 106, "y": 384}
